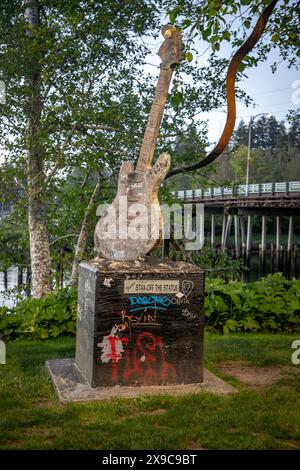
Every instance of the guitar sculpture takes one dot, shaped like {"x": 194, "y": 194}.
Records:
{"x": 132, "y": 225}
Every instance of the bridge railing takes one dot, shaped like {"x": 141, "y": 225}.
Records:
{"x": 240, "y": 190}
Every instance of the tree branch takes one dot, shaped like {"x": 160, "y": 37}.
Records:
{"x": 18, "y": 182}
{"x": 230, "y": 89}
{"x": 60, "y": 156}
{"x": 84, "y": 181}
{"x": 82, "y": 237}
{"x": 98, "y": 127}
{"x": 64, "y": 236}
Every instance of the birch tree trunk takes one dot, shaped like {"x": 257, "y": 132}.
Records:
{"x": 38, "y": 236}
{"x": 83, "y": 235}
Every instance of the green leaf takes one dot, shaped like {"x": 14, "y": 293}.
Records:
{"x": 186, "y": 24}
{"x": 189, "y": 56}
{"x": 275, "y": 38}
{"x": 216, "y": 46}
{"x": 176, "y": 99}
{"x": 173, "y": 16}
{"x": 212, "y": 11}
{"x": 215, "y": 38}
{"x": 293, "y": 36}
{"x": 206, "y": 33}
{"x": 230, "y": 326}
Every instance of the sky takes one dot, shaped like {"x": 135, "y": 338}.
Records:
{"x": 274, "y": 93}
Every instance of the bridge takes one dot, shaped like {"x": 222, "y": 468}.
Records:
{"x": 236, "y": 205}
{"x": 283, "y": 195}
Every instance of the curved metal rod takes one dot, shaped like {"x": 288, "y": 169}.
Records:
{"x": 230, "y": 91}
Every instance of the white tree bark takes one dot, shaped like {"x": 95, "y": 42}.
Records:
{"x": 38, "y": 236}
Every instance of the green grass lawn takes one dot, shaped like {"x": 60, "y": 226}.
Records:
{"x": 32, "y": 418}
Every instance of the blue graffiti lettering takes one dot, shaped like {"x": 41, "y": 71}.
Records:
{"x": 164, "y": 301}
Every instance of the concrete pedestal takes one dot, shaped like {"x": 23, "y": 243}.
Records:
{"x": 70, "y": 386}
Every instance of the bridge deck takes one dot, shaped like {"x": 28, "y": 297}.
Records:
{"x": 255, "y": 196}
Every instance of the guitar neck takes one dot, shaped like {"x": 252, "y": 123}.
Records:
{"x": 154, "y": 120}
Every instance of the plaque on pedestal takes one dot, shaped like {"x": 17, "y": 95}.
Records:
{"x": 140, "y": 323}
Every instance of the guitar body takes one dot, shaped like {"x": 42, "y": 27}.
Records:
{"x": 132, "y": 225}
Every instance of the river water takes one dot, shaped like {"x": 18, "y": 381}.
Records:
{"x": 12, "y": 283}
{"x": 255, "y": 272}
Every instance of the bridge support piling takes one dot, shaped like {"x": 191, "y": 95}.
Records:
{"x": 277, "y": 233}
{"x": 5, "y": 279}
{"x": 292, "y": 263}
{"x": 277, "y": 243}
{"x": 227, "y": 232}
{"x": 20, "y": 276}
{"x": 263, "y": 233}
{"x": 290, "y": 234}
{"x": 294, "y": 266}
{"x": 272, "y": 257}
{"x": 223, "y": 231}
{"x": 249, "y": 238}
{"x": 242, "y": 225}
{"x": 289, "y": 248}
{"x": 28, "y": 282}
{"x": 282, "y": 259}
{"x": 237, "y": 239}
{"x": 165, "y": 248}
{"x": 296, "y": 272}
{"x": 263, "y": 245}
{"x": 213, "y": 231}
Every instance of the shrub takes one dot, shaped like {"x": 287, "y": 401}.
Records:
{"x": 49, "y": 317}
{"x": 271, "y": 304}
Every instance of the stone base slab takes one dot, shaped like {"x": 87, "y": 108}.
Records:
{"x": 70, "y": 385}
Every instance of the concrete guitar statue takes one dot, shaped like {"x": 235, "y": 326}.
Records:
{"x": 132, "y": 224}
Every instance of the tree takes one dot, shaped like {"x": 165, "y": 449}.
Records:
{"x": 238, "y": 163}
{"x": 213, "y": 22}
{"x": 294, "y": 130}
{"x": 241, "y": 134}
{"x": 274, "y": 150}
{"x": 73, "y": 74}
{"x": 63, "y": 62}
{"x": 38, "y": 234}
{"x": 184, "y": 149}
{"x": 266, "y": 132}
{"x": 89, "y": 111}
{"x": 13, "y": 232}
{"x": 83, "y": 235}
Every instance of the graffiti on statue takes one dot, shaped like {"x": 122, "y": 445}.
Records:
{"x": 128, "y": 321}
{"x": 146, "y": 359}
{"x": 132, "y": 340}
{"x": 151, "y": 286}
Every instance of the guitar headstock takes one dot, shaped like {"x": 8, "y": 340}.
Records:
{"x": 170, "y": 51}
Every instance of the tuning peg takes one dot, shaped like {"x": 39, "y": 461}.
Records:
{"x": 167, "y": 30}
